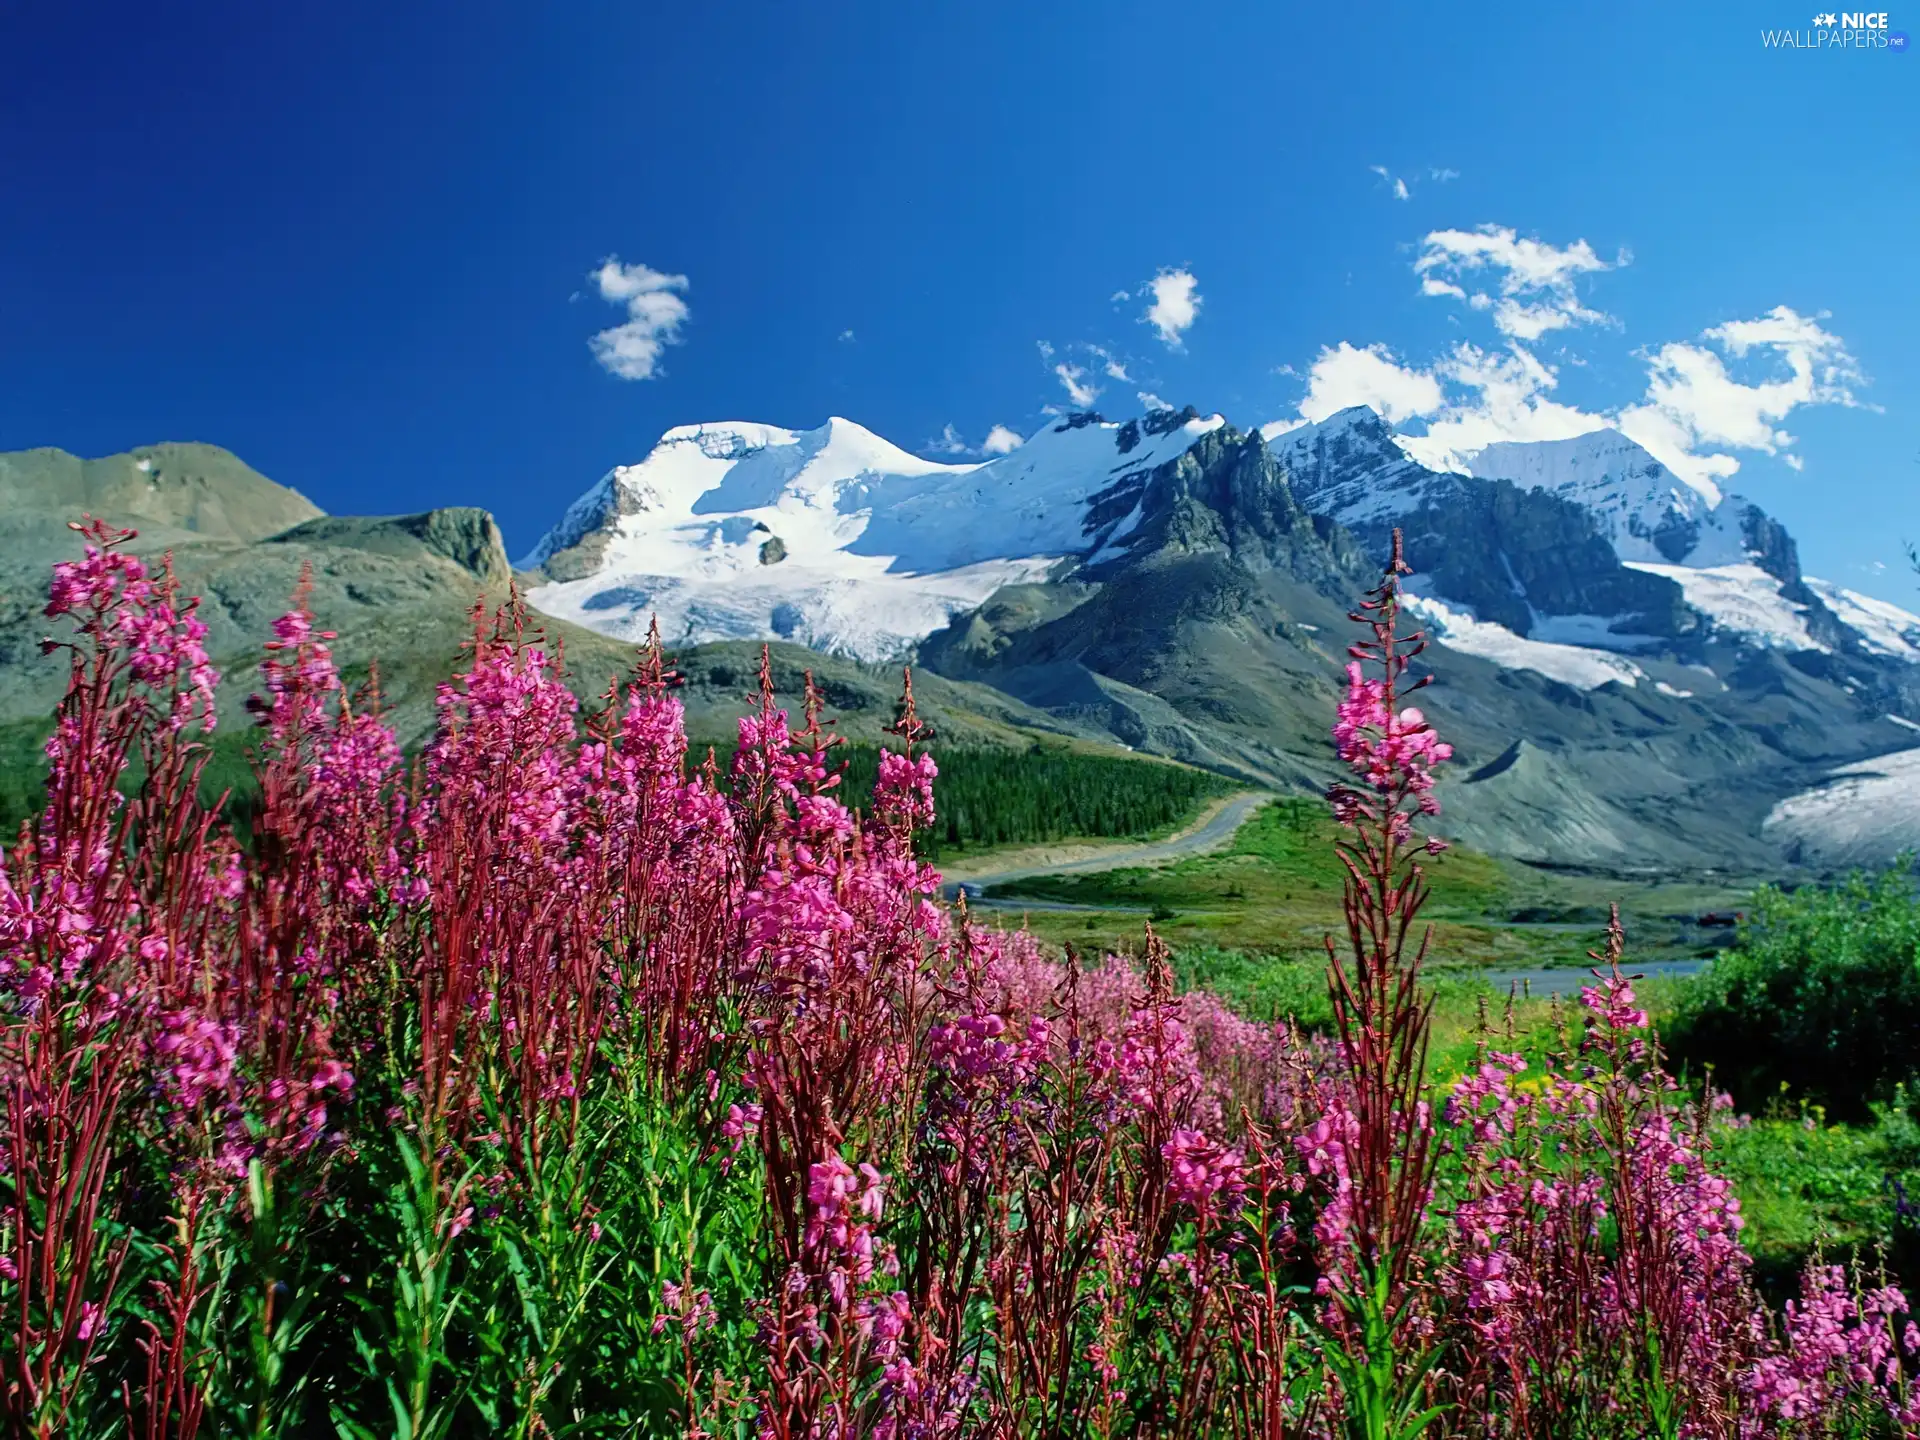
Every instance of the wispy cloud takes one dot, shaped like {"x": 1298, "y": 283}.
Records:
{"x": 1150, "y": 401}
{"x": 1115, "y": 368}
{"x": 1394, "y": 182}
{"x": 846, "y": 337}
{"x": 1073, "y": 380}
{"x": 1402, "y": 189}
{"x": 655, "y": 313}
{"x": 1535, "y": 279}
{"x": 1694, "y": 401}
{"x": 1000, "y": 440}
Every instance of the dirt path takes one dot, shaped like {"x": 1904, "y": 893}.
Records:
{"x": 1214, "y": 829}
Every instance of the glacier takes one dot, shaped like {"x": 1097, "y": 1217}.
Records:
{"x": 833, "y": 537}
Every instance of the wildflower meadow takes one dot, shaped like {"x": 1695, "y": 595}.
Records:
{"x": 558, "y": 1082}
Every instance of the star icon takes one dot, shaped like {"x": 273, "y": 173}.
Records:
{"x": 1828, "y": 19}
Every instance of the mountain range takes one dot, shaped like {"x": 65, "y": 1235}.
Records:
{"x": 399, "y": 590}
{"x": 1633, "y": 670}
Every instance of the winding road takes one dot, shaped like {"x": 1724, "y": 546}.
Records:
{"x": 1213, "y": 831}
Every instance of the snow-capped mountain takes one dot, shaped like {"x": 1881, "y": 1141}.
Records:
{"x": 1883, "y": 628}
{"x": 1641, "y": 508}
{"x": 1585, "y": 560}
{"x": 1589, "y": 543}
{"x": 834, "y": 537}
{"x": 1731, "y": 562}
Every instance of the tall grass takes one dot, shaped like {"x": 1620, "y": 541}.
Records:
{"x": 556, "y": 1085}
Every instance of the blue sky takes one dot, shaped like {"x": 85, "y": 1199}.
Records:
{"x": 358, "y": 244}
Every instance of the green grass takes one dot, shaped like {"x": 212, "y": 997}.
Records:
{"x": 1274, "y": 894}
{"x": 1808, "y": 1185}
{"x": 23, "y": 765}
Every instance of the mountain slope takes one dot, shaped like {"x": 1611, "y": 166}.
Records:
{"x": 1599, "y": 715}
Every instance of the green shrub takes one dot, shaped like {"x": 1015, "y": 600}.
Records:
{"x": 1821, "y": 995}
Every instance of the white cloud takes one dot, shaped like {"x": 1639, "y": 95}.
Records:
{"x": 1000, "y": 440}
{"x": 1343, "y": 376}
{"x": 846, "y": 337}
{"x": 1176, "y": 305}
{"x": 1794, "y": 462}
{"x": 1505, "y": 398}
{"x": 1046, "y": 350}
{"x": 1150, "y": 401}
{"x": 655, "y": 313}
{"x": 1694, "y": 401}
{"x": 1441, "y": 174}
{"x": 1536, "y": 280}
{"x": 1072, "y": 377}
{"x": 1694, "y": 410}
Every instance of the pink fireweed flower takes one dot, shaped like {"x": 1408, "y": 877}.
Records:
{"x": 1206, "y": 1177}
{"x": 194, "y": 1060}
{"x": 904, "y": 791}
{"x": 842, "y": 1203}
{"x": 332, "y": 1075}
{"x": 1384, "y": 749}
{"x": 970, "y": 1048}
{"x": 1839, "y": 1347}
{"x": 121, "y": 607}
{"x": 1612, "y": 1000}
{"x": 741, "y": 1122}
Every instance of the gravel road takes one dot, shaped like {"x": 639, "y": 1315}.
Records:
{"x": 1213, "y": 833}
